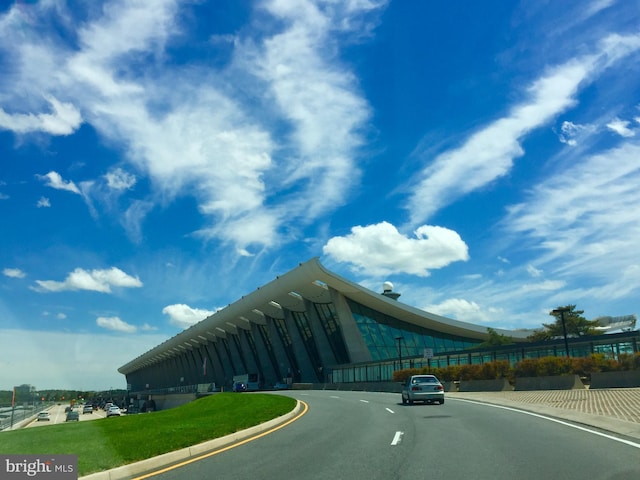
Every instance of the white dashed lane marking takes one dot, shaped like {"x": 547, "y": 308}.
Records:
{"x": 397, "y": 438}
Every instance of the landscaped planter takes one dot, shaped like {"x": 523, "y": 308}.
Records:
{"x": 624, "y": 379}
{"x": 558, "y": 382}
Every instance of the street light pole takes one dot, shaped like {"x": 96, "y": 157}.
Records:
{"x": 564, "y": 327}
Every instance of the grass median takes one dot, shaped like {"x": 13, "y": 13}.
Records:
{"x": 111, "y": 442}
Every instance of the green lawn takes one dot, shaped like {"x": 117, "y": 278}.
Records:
{"x": 110, "y": 442}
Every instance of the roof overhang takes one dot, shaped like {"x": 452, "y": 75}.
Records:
{"x": 309, "y": 281}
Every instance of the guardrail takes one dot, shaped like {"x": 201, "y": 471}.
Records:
{"x": 12, "y": 417}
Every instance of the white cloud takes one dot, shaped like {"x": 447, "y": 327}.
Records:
{"x": 584, "y": 222}
{"x": 64, "y": 119}
{"x": 381, "y": 250}
{"x": 533, "y": 271}
{"x": 197, "y": 129}
{"x": 621, "y": 127}
{"x": 93, "y": 280}
{"x": 132, "y": 218}
{"x": 13, "y": 273}
{"x": 543, "y": 286}
{"x": 317, "y": 95}
{"x": 488, "y": 154}
{"x": 54, "y": 180}
{"x": 464, "y": 310}
{"x": 43, "y": 203}
{"x": 118, "y": 179}
{"x": 115, "y": 324}
{"x": 571, "y": 133}
{"x": 184, "y": 316}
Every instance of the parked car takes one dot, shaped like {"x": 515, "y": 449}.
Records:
{"x": 44, "y": 417}
{"x": 114, "y": 411}
{"x": 87, "y": 409}
{"x": 72, "y": 415}
{"x": 422, "y": 388}
{"x": 239, "y": 387}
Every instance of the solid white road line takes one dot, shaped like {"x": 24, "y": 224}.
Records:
{"x": 561, "y": 422}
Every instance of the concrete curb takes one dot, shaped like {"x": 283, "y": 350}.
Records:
{"x": 164, "y": 460}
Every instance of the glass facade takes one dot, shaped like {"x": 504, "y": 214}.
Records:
{"x": 328, "y": 320}
{"x": 254, "y": 351}
{"x": 287, "y": 343}
{"x": 389, "y": 338}
{"x": 304, "y": 329}
{"x": 268, "y": 344}
{"x": 611, "y": 345}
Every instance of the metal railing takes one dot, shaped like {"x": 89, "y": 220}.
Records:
{"x": 12, "y": 417}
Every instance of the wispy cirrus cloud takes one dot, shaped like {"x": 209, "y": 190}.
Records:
{"x": 489, "y": 153}
{"x": 43, "y": 202}
{"x": 197, "y": 130}
{"x": 64, "y": 119}
{"x": 118, "y": 179}
{"x": 621, "y": 127}
{"x": 55, "y": 180}
{"x": 583, "y": 221}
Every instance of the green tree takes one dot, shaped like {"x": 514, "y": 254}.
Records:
{"x": 495, "y": 339}
{"x": 576, "y": 325}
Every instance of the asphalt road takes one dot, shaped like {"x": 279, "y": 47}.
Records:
{"x": 366, "y": 435}
{"x": 58, "y": 415}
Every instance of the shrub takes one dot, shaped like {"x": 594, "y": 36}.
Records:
{"x": 471, "y": 372}
{"x": 550, "y": 366}
{"x": 629, "y": 361}
{"x": 527, "y": 367}
{"x": 402, "y": 375}
{"x": 497, "y": 369}
{"x": 584, "y": 366}
{"x": 604, "y": 364}
{"x": 450, "y": 373}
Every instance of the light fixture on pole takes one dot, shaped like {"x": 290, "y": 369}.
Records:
{"x": 562, "y": 311}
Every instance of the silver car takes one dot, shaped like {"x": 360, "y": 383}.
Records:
{"x": 422, "y": 388}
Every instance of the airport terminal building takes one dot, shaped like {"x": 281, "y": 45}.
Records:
{"x": 311, "y": 325}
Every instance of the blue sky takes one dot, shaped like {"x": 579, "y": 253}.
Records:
{"x": 158, "y": 160}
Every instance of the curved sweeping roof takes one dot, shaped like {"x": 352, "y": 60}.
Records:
{"x": 310, "y": 280}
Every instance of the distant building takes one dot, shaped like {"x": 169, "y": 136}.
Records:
{"x": 624, "y": 323}
{"x": 24, "y": 393}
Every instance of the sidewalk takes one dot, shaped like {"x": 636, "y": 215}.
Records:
{"x": 615, "y": 410}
